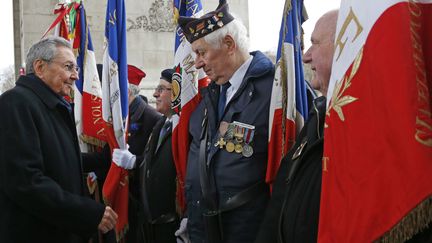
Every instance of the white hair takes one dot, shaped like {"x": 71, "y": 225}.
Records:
{"x": 134, "y": 90}
{"x": 236, "y": 29}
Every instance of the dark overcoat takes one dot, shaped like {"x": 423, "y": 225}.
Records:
{"x": 41, "y": 180}
{"x": 232, "y": 172}
{"x": 293, "y": 211}
{"x": 158, "y": 187}
{"x": 142, "y": 119}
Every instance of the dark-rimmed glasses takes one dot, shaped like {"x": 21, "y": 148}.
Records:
{"x": 160, "y": 89}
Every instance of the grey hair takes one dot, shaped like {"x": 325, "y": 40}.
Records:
{"x": 45, "y": 49}
{"x": 134, "y": 90}
{"x": 236, "y": 29}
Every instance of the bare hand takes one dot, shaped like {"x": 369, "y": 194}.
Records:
{"x": 108, "y": 221}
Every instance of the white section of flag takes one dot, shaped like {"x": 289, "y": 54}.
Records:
{"x": 111, "y": 103}
{"x": 276, "y": 100}
{"x": 353, "y": 44}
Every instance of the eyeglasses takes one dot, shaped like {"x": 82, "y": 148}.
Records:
{"x": 160, "y": 89}
{"x": 70, "y": 67}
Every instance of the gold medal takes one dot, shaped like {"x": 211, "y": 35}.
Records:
{"x": 238, "y": 148}
{"x": 221, "y": 142}
{"x": 229, "y": 147}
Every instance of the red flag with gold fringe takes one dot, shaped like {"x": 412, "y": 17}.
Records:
{"x": 377, "y": 162}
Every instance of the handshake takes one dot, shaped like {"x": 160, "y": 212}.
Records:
{"x": 124, "y": 159}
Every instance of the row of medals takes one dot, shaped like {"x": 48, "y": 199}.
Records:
{"x": 234, "y": 141}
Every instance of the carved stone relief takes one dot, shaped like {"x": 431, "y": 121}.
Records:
{"x": 159, "y": 18}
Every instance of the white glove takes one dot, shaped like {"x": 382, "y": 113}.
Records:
{"x": 92, "y": 176}
{"x": 181, "y": 233}
{"x": 123, "y": 158}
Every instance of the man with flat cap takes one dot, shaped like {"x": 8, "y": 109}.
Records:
{"x": 225, "y": 185}
{"x": 142, "y": 119}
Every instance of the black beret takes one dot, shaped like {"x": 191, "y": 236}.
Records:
{"x": 195, "y": 28}
{"x": 167, "y": 74}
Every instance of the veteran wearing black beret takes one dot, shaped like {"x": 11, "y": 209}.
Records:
{"x": 225, "y": 185}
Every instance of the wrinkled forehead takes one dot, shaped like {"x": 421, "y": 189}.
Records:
{"x": 164, "y": 83}
{"x": 65, "y": 54}
{"x": 200, "y": 44}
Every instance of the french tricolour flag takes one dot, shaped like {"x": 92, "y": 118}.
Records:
{"x": 288, "y": 105}
{"x": 115, "y": 108}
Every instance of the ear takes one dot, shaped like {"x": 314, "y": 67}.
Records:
{"x": 39, "y": 67}
{"x": 229, "y": 42}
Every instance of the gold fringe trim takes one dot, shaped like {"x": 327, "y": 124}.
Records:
{"x": 120, "y": 236}
{"x": 92, "y": 140}
{"x": 413, "y": 223}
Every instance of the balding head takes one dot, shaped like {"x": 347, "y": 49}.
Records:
{"x": 320, "y": 54}
{"x": 327, "y": 23}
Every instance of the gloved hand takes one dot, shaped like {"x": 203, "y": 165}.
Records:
{"x": 123, "y": 158}
{"x": 91, "y": 176}
{"x": 181, "y": 233}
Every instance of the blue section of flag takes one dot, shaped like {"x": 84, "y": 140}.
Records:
{"x": 115, "y": 33}
{"x": 186, "y": 8}
{"x": 85, "y": 38}
{"x": 82, "y": 35}
{"x": 292, "y": 27}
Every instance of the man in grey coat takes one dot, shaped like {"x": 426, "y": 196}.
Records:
{"x": 42, "y": 193}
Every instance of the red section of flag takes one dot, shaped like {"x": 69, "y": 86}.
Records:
{"x": 61, "y": 10}
{"x": 275, "y": 143}
{"x": 180, "y": 142}
{"x": 115, "y": 190}
{"x": 377, "y": 163}
{"x": 93, "y": 123}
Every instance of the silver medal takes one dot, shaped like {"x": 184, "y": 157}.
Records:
{"x": 247, "y": 150}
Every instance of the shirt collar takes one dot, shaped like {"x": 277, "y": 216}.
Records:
{"x": 237, "y": 78}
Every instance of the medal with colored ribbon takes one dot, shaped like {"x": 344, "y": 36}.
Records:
{"x": 247, "y": 137}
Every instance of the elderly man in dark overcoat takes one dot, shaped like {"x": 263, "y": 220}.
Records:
{"x": 292, "y": 214}
{"x": 225, "y": 184}
{"x": 41, "y": 182}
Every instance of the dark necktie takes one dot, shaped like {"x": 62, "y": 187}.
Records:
{"x": 163, "y": 132}
{"x": 222, "y": 99}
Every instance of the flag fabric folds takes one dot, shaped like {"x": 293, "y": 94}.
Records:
{"x": 71, "y": 24}
{"x": 60, "y": 24}
{"x": 377, "y": 162}
{"x": 288, "y": 105}
{"x": 87, "y": 91}
{"x": 115, "y": 108}
{"x": 185, "y": 97}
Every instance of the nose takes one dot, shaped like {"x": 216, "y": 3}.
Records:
{"x": 307, "y": 57}
{"x": 75, "y": 75}
{"x": 155, "y": 94}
